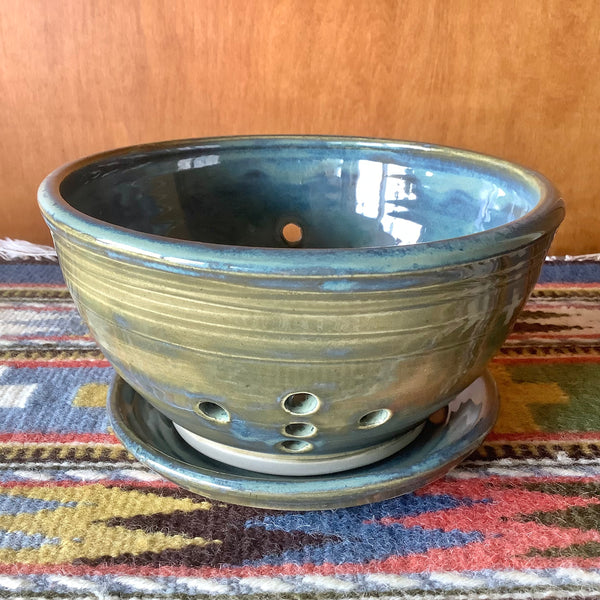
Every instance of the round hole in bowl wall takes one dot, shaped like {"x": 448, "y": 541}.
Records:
{"x": 213, "y": 412}
{"x": 295, "y": 446}
{"x": 375, "y": 418}
{"x": 292, "y": 234}
{"x": 301, "y": 403}
{"x": 301, "y": 430}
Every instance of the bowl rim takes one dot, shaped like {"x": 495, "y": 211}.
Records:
{"x": 168, "y": 253}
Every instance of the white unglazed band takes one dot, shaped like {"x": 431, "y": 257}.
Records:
{"x": 262, "y": 462}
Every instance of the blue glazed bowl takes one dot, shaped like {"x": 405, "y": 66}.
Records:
{"x": 299, "y": 304}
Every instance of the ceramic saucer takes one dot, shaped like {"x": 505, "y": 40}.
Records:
{"x": 152, "y": 439}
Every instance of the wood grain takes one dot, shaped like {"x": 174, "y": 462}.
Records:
{"x": 514, "y": 79}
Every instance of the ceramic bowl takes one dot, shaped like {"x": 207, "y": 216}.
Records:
{"x": 299, "y": 305}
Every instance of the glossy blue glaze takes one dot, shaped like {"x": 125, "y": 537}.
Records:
{"x": 365, "y": 206}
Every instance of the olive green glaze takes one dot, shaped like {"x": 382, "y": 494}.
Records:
{"x": 220, "y": 322}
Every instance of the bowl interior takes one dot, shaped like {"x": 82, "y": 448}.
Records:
{"x": 317, "y": 195}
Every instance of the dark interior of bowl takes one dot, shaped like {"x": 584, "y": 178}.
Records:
{"x": 275, "y": 194}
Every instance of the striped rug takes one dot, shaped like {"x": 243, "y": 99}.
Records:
{"x": 79, "y": 518}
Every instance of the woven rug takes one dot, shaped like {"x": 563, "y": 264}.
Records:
{"x": 79, "y": 518}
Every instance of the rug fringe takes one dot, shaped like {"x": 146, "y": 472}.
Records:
{"x": 21, "y": 250}
{"x": 576, "y": 257}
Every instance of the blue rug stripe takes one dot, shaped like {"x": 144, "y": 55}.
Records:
{"x": 570, "y": 272}
{"x": 30, "y": 273}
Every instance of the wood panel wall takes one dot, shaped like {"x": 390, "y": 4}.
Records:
{"x": 514, "y": 78}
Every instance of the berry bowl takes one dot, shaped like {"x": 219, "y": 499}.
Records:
{"x": 296, "y": 309}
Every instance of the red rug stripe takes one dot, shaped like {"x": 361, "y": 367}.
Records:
{"x": 28, "y": 286}
{"x": 59, "y": 364}
{"x": 396, "y": 565}
{"x": 554, "y": 336}
{"x": 47, "y": 338}
{"x": 107, "y": 438}
{"x": 542, "y": 436}
{"x": 541, "y": 359}
{"x": 59, "y": 438}
{"x": 67, "y": 307}
{"x": 563, "y": 286}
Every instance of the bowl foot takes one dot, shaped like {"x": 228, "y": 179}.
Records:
{"x": 152, "y": 439}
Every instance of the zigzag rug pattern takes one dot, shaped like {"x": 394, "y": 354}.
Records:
{"x": 80, "y": 518}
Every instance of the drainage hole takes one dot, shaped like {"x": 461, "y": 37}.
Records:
{"x": 213, "y": 412}
{"x": 300, "y": 403}
{"x": 295, "y": 446}
{"x": 301, "y": 430}
{"x": 292, "y": 234}
{"x": 375, "y": 418}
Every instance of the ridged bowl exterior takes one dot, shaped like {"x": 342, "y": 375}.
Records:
{"x": 404, "y": 341}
